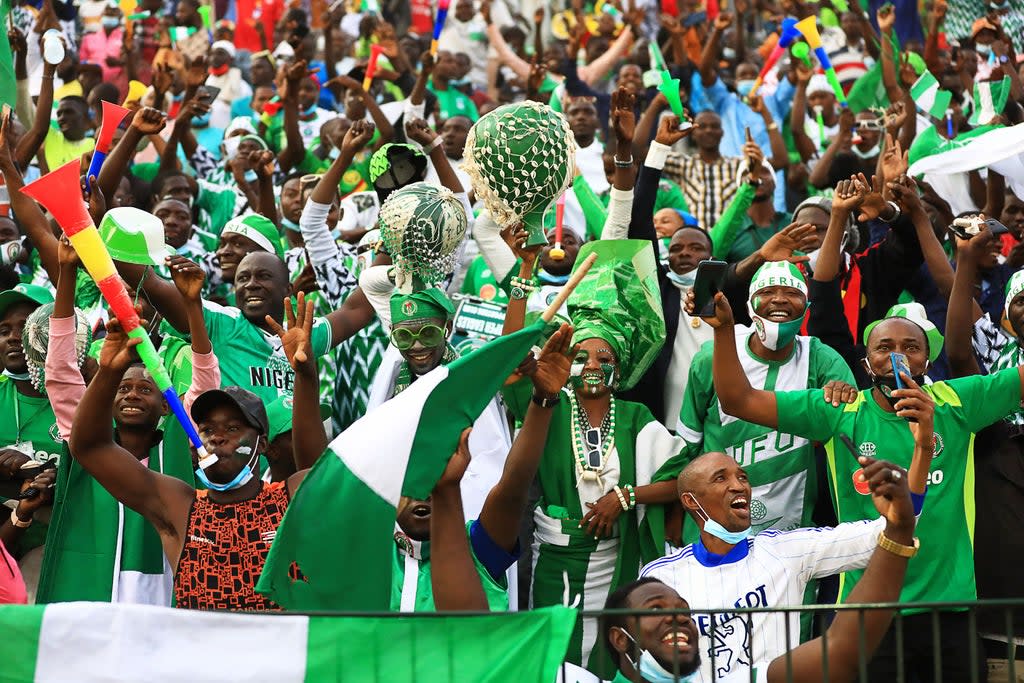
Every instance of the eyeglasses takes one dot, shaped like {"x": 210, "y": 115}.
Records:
{"x": 429, "y": 336}
{"x": 592, "y": 438}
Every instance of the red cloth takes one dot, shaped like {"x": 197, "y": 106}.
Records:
{"x": 422, "y": 12}
{"x": 12, "y": 585}
{"x": 263, "y": 13}
{"x": 1009, "y": 242}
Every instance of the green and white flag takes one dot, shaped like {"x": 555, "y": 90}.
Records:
{"x": 8, "y": 89}
{"x": 90, "y": 642}
{"x": 180, "y": 32}
{"x": 989, "y": 100}
{"x": 928, "y": 97}
{"x": 99, "y": 550}
{"x": 333, "y": 548}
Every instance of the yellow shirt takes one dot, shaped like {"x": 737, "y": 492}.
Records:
{"x": 58, "y": 150}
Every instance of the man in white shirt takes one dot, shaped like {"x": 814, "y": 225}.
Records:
{"x": 727, "y": 567}
{"x": 582, "y": 115}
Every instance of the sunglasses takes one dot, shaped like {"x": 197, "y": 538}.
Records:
{"x": 430, "y": 336}
{"x": 592, "y": 437}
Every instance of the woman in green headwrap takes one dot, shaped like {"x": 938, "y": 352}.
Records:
{"x": 599, "y": 516}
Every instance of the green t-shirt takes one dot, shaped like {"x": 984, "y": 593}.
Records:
{"x": 944, "y": 568}
{"x": 454, "y": 103}
{"x": 252, "y": 358}
{"x": 480, "y": 282}
{"x": 496, "y": 592}
{"x": 751, "y": 238}
{"x": 780, "y": 466}
{"x": 670, "y": 195}
{"x": 28, "y": 421}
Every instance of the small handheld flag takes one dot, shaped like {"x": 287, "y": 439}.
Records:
{"x": 442, "y": 14}
{"x": 371, "y": 67}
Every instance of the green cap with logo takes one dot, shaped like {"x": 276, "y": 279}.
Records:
{"x": 32, "y": 294}
{"x": 259, "y": 229}
{"x": 279, "y": 416}
{"x": 915, "y": 313}
{"x": 778, "y": 274}
{"x": 134, "y": 236}
{"x": 426, "y": 303}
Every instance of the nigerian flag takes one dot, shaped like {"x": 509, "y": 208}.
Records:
{"x": 90, "y": 642}
{"x": 333, "y": 548}
{"x": 929, "y": 97}
{"x": 8, "y": 85}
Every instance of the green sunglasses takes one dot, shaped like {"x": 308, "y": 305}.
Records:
{"x": 430, "y": 336}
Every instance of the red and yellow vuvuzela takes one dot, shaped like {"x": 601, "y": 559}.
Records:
{"x": 58, "y": 192}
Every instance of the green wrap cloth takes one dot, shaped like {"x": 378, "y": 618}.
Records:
{"x": 619, "y": 301}
{"x": 426, "y": 303}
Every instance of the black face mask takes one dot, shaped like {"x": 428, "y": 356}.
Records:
{"x": 887, "y": 384}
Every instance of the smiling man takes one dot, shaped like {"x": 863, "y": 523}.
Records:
{"x": 774, "y": 357}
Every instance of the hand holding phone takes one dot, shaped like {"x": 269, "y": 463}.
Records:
{"x": 709, "y": 281}
{"x": 900, "y": 367}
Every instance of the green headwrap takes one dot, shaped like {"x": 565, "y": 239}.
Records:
{"x": 619, "y": 301}
{"x": 426, "y": 303}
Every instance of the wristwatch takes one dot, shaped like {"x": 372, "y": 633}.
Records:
{"x": 547, "y": 402}
{"x": 886, "y": 543}
{"x": 1003, "y": 59}
{"x": 516, "y": 293}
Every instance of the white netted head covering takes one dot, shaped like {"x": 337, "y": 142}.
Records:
{"x": 520, "y": 158}
{"x": 35, "y": 339}
{"x": 422, "y": 226}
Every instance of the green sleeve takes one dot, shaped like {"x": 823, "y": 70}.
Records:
{"x": 311, "y": 163}
{"x": 805, "y": 413}
{"x": 671, "y": 196}
{"x": 320, "y": 337}
{"x": 724, "y": 232}
{"x": 218, "y": 201}
{"x": 984, "y": 399}
{"x": 698, "y": 397}
{"x": 593, "y": 212}
{"x": 217, "y": 322}
{"x": 517, "y": 398}
{"x": 827, "y": 365}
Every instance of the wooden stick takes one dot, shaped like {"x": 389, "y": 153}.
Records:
{"x": 567, "y": 289}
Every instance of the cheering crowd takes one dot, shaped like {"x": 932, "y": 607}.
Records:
{"x": 778, "y": 253}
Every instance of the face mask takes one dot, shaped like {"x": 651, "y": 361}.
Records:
{"x": 334, "y": 153}
{"x": 111, "y": 22}
{"x": 728, "y": 54}
{"x": 873, "y": 152}
{"x": 310, "y": 111}
{"x": 459, "y": 82}
{"x": 716, "y": 529}
{"x": 16, "y": 375}
{"x": 887, "y": 384}
{"x": 685, "y": 280}
{"x": 772, "y": 334}
{"x": 220, "y": 70}
{"x": 592, "y": 384}
{"x": 289, "y": 224}
{"x": 240, "y": 479}
{"x": 231, "y": 146}
{"x": 201, "y": 121}
{"x": 651, "y": 670}
{"x": 744, "y": 87}
{"x": 983, "y": 50}
{"x": 549, "y": 279}
{"x": 250, "y": 176}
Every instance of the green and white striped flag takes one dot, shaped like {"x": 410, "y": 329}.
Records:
{"x": 334, "y": 547}
{"x": 99, "y": 550}
{"x": 90, "y": 642}
{"x": 928, "y": 97}
{"x": 180, "y": 32}
{"x": 989, "y": 100}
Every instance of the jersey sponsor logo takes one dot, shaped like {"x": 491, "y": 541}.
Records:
{"x": 939, "y": 445}
{"x": 867, "y": 449}
{"x": 860, "y": 483}
{"x": 935, "y": 478}
{"x": 764, "y": 447}
{"x": 729, "y": 640}
{"x": 758, "y": 510}
{"x": 551, "y": 297}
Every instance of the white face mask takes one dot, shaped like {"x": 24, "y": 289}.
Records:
{"x": 231, "y": 146}
{"x": 651, "y": 670}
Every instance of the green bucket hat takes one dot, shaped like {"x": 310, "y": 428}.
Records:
{"x": 33, "y": 294}
{"x": 619, "y": 301}
{"x": 134, "y": 236}
{"x": 279, "y": 416}
{"x": 426, "y": 303}
{"x": 259, "y": 229}
{"x": 915, "y": 313}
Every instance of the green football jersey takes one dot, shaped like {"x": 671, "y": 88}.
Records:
{"x": 28, "y": 425}
{"x": 252, "y": 358}
{"x": 944, "y": 568}
{"x": 779, "y": 464}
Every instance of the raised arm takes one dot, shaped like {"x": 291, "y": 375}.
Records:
{"x": 592, "y": 73}
{"x": 848, "y": 197}
{"x": 886, "y": 17}
{"x": 420, "y": 131}
{"x": 735, "y": 394}
{"x": 145, "y": 121}
{"x": 820, "y": 173}
{"x": 387, "y": 132}
{"x": 294, "y": 147}
{"x": 963, "y": 310}
{"x": 63, "y": 378}
{"x": 33, "y": 138}
{"x": 804, "y": 145}
{"x": 709, "y": 55}
{"x": 453, "y": 576}
{"x": 162, "y": 500}
{"x": 519, "y": 66}
{"x": 507, "y": 501}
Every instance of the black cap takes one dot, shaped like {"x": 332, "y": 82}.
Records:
{"x": 248, "y": 403}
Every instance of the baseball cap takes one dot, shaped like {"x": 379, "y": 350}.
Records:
{"x": 24, "y": 293}
{"x": 250, "y": 405}
{"x": 279, "y": 416}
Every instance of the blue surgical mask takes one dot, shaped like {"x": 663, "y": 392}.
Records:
{"x": 549, "y": 279}
{"x": 201, "y": 121}
{"x": 288, "y": 224}
{"x": 651, "y": 670}
{"x": 684, "y": 280}
{"x": 728, "y": 54}
{"x": 717, "y": 530}
{"x": 983, "y": 49}
{"x": 239, "y": 480}
{"x": 745, "y": 86}
{"x": 333, "y": 153}
{"x": 459, "y": 82}
{"x": 310, "y": 111}
{"x": 250, "y": 176}
{"x": 110, "y": 22}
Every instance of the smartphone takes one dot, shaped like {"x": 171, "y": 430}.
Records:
{"x": 899, "y": 365}
{"x": 967, "y": 227}
{"x": 208, "y": 93}
{"x": 708, "y": 282}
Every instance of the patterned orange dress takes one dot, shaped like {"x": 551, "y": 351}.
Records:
{"x": 225, "y": 550}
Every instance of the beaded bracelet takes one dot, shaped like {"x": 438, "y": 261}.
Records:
{"x": 622, "y": 499}
{"x": 520, "y": 288}
{"x": 628, "y": 488}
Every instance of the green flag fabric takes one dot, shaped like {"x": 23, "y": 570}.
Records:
{"x": 99, "y": 550}
{"x": 8, "y": 86}
{"x": 333, "y": 548}
{"x": 94, "y": 642}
